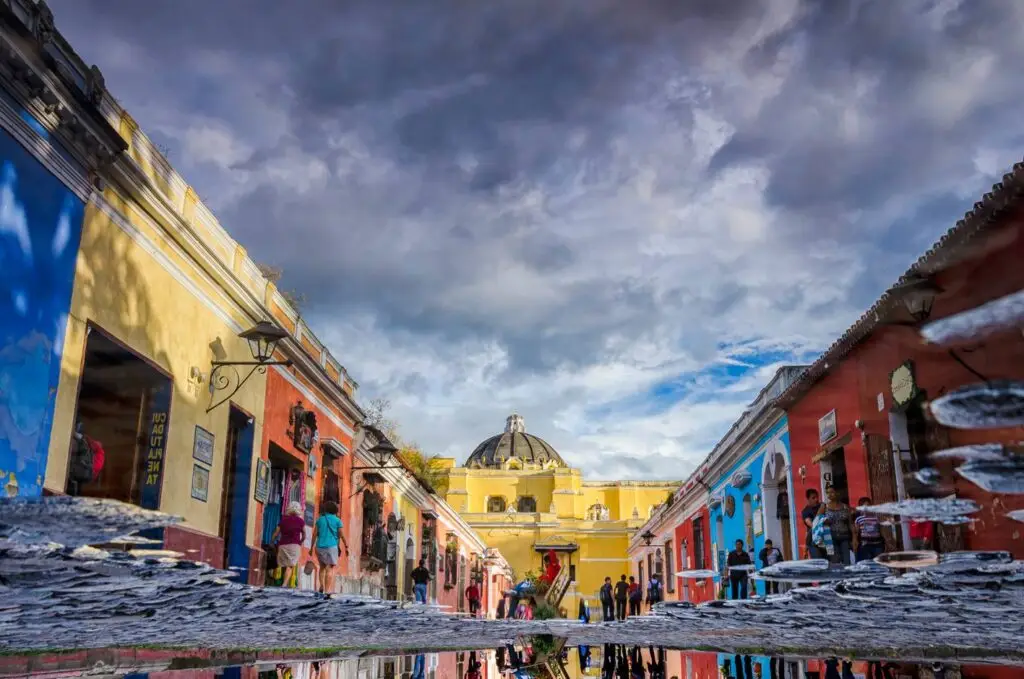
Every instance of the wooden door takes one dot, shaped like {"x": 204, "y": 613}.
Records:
{"x": 882, "y": 480}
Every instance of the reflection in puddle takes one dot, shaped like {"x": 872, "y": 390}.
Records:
{"x": 536, "y": 658}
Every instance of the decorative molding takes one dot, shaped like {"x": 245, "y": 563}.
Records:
{"x": 45, "y": 152}
{"x": 339, "y": 448}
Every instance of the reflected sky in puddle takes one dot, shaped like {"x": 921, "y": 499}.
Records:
{"x": 527, "y": 658}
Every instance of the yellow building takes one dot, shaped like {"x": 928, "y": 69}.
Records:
{"x": 144, "y": 292}
{"x": 522, "y": 498}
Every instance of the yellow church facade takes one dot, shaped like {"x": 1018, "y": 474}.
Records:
{"x": 522, "y": 498}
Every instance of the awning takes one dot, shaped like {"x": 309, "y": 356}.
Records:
{"x": 832, "y": 446}
{"x": 557, "y": 544}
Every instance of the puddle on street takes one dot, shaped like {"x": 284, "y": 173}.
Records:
{"x": 528, "y": 658}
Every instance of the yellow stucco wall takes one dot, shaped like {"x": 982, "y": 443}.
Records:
{"x": 139, "y": 286}
{"x": 602, "y": 544}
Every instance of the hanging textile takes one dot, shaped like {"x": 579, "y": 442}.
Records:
{"x": 271, "y": 520}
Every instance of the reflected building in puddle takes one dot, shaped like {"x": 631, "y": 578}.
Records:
{"x": 527, "y": 659}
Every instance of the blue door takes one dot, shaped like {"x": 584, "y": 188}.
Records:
{"x": 237, "y": 487}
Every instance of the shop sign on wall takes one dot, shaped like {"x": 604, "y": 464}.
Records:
{"x": 159, "y": 421}
{"x": 202, "y": 446}
{"x": 903, "y": 384}
{"x": 262, "y": 492}
{"x": 827, "y": 428}
{"x": 200, "y": 482}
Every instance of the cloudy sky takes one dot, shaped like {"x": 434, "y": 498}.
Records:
{"x": 616, "y": 217}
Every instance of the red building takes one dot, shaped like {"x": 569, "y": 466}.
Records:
{"x": 692, "y": 535}
{"x": 305, "y": 457}
{"x": 858, "y": 418}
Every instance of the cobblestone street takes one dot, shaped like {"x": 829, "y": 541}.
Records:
{"x": 76, "y": 596}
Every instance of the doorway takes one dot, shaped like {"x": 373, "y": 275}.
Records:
{"x": 720, "y": 548}
{"x": 462, "y": 583}
{"x": 410, "y": 558}
{"x": 775, "y": 504}
{"x": 287, "y": 484}
{"x": 124, "y": 409}
{"x": 833, "y": 474}
{"x": 234, "y": 512}
{"x": 698, "y": 545}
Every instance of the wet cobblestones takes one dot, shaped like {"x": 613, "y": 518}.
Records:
{"x": 53, "y": 596}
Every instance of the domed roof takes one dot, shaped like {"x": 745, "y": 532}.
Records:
{"x": 514, "y": 443}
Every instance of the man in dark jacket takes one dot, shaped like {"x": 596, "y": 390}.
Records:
{"x": 621, "y": 597}
{"x": 770, "y": 556}
{"x": 420, "y": 577}
{"x": 607, "y": 601}
{"x": 738, "y": 576}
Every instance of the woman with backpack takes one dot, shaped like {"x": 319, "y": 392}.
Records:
{"x": 653, "y": 592}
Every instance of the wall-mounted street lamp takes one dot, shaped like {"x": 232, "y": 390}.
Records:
{"x": 647, "y": 536}
{"x": 263, "y": 339}
{"x": 381, "y": 453}
{"x": 917, "y": 294}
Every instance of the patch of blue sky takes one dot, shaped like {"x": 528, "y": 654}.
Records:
{"x": 740, "y": 369}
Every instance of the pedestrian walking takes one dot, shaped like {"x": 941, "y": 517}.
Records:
{"x": 769, "y": 556}
{"x": 840, "y": 523}
{"x": 473, "y": 596}
{"x": 807, "y": 515}
{"x": 288, "y": 536}
{"x": 653, "y": 591}
{"x": 635, "y": 596}
{"x": 584, "y": 612}
{"x": 867, "y": 533}
{"x": 621, "y": 596}
{"x": 499, "y": 614}
{"x": 737, "y": 574}
{"x": 607, "y": 601}
{"x": 420, "y": 577}
{"x": 327, "y": 540}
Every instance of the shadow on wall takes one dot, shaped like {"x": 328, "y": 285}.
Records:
{"x": 115, "y": 381}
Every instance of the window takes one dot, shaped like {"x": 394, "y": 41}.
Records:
{"x": 698, "y": 544}
{"x": 670, "y": 576}
{"x": 526, "y": 503}
{"x": 748, "y": 519}
{"x": 496, "y": 504}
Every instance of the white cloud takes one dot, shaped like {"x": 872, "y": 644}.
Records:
{"x": 555, "y": 212}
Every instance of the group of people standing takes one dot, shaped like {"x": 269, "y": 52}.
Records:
{"x": 626, "y": 597}
{"x": 835, "y": 531}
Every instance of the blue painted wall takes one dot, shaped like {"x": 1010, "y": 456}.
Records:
{"x": 756, "y": 661}
{"x": 40, "y": 233}
{"x": 735, "y": 527}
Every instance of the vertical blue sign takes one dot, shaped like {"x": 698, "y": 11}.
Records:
{"x": 156, "y": 445}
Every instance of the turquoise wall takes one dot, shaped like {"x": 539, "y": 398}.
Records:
{"x": 734, "y": 527}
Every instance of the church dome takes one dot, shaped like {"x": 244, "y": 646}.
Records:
{"x": 514, "y": 445}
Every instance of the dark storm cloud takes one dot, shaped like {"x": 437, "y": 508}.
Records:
{"x": 586, "y": 185}
{"x": 913, "y": 78}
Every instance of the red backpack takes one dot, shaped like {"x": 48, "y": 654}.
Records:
{"x": 99, "y": 456}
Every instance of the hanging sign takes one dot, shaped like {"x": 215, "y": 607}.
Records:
{"x": 262, "y": 493}
{"x": 903, "y": 384}
{"x": 827, "y": 428}
{"x": 156, "y": 446}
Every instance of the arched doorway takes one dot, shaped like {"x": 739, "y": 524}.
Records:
{"x": 777, "y": 500}
{"x": 410, "y": 565}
